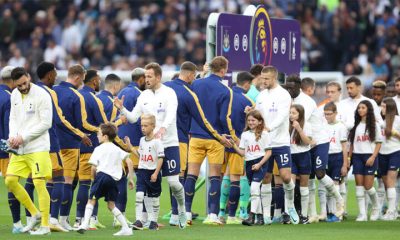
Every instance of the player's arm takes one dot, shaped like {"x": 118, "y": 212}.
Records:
{"x": 99, "y": 115}
{"x": 225, "y": 115}
{"x": 61, "y": 121}
{"x": 303, "y": 135}
{"x": 239, "y": 150}
{"x": 6, "y": 119}
{"x": 46, "y": 117}
{"x": 131, "y": 172}
{"x": 197, "y": 113}
{"x": 267, "y": 155}
{"x": 80, "y": 113}
{"x": 12, "y": 119}
{"x": 158, "y": 168}
{"x": 283, "y": 115}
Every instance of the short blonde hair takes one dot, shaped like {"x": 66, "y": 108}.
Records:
{"x": 150, "y": 117}
{"x": 76, "y": 70}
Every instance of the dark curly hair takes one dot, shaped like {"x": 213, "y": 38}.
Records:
{"x": 370, "y": 124}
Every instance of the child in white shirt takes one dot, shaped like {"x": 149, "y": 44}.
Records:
{"x": 107, "y": 164}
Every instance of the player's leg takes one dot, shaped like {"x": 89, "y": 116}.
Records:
{"x": 70, "y": 159}
{"x": 358, "y": 171}
{"x": 41, "y": 168}
{"x": 153, "y": 191}
{"x": 19, "y": 166}
{"x": 389, "y": 176}
{"x": 320, "y": 156}
{"x": 236, "y": 170}
{"x": 171, "y": 170}
{"x": 13, "y": 203}
{"x": 284, "y": 162}
{"x": 84, "y": 174}
{"x": 304, "y": 170}
{"x": 196, "y": 156}
{"x": 215, "y": 155}
{"x": 225, "y": 188}
{"x": 57, "y": 191}
{"x": 183, "y": 155}
{"x": 30, "y": 189}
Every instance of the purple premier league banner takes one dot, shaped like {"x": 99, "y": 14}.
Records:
{"x": 246, "y": 40}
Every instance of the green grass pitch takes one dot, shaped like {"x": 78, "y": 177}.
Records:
{"x": 348, "y": 229}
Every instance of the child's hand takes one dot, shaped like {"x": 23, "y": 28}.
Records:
{"x": 124, "y": 119}
{"x": 256, "y": 167}
{"x": 370, "y": 162}
{"x": 296, "y": 125}
{"x": 131, "y": 184}
{"x": 127, "y": 141}
{"x": 343, "y": 171}
{"x": 153, "y": 177}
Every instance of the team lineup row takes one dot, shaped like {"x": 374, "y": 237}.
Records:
{"x": 60, "y": 133}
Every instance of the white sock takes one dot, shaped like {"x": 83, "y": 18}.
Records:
{"x": 305, "y": 194}
{"x": 391, "y": 196}
{"x": 178, "y": 191}
{"x": 156, "y": 208}
{"x": 322, "y": 199}
{"x": 148, "y": 203}
{"x": 139, "y": 205}
{"x": 255, "y": 199}
{"x": 374, "y": 197}
{"x": 266, "y": 198}
{"x": 330, "y": 187}
{"x": 367, "y": 201}
{"x": 312, "y": 208}
{"x": 360, "y": 195}
{"x": 63, "y": 219}
{"x": 277, "y": 213}
{"x": 88, "y": 214}
{"x": 145, "y": 216}
{"x": 331, "y": 204}
{"x": 381, "y": 193}
{"x": 289, "y": 194}
{"x": 343, "y": 192}
{"x": 398, "y": 191}
{"x": 120, "y": 217}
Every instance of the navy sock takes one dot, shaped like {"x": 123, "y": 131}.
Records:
{"x": 234, "y": 195}
{"x": 214, "y": 194}
{"x": 82, "y": 197}
{"x": 95, "y": 209}
{"x": 66, "y": 200}
{"x": 29, "y": 187}
{"x": 74, "y": 184}
{"x": 122, "y": 194}
{"x": 56, "y": 196}
{"x": 14, "y": 207}
{"x": 190, "y": 185}
{"x": 279, "y": 197}
{"x": 49, "y": 187}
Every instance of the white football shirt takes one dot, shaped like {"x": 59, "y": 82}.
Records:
{"x": 274, "y": 105}
{"x": 254, "y": 149}
{"x": 163, "y": 104}
{"x": 362, "y": 143}
{"x": 149, "y": 152}
{"x": 108, "y": 158}
{"x": 392, "y": 144}
{"x": 337, "y": 135}
{"x": 300, "y": 148}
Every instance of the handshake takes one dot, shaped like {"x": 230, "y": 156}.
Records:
{"x": 5, "y": 147}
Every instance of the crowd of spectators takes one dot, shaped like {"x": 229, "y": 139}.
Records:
{"x": 352, "y": 36}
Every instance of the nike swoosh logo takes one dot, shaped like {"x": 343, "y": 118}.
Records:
{"x": 55, "y": 200}
{"x": 189, "y": 194}
{"x": 213, "y": 193}
{"x": 65, "y": 202}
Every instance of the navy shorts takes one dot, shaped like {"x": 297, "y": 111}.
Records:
{"x": 335, "y": 164}
{"x": 359, "y": 164}
{"x": 301, "y": 163}
{"x": 389, "y": 162}
{"x": 104, "y": 186}
{"x": 256, "y": 176}
{"x": 319, "y": 156}
{"x": 282, "y": 157}
{"x": 171, "y": 164}
{"x": 143, "y": 183}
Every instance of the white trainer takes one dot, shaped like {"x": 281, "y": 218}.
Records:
{"x": 124, "y": 232}
{"x": 34, "y": 220}
{"x": 41, "y": 231}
